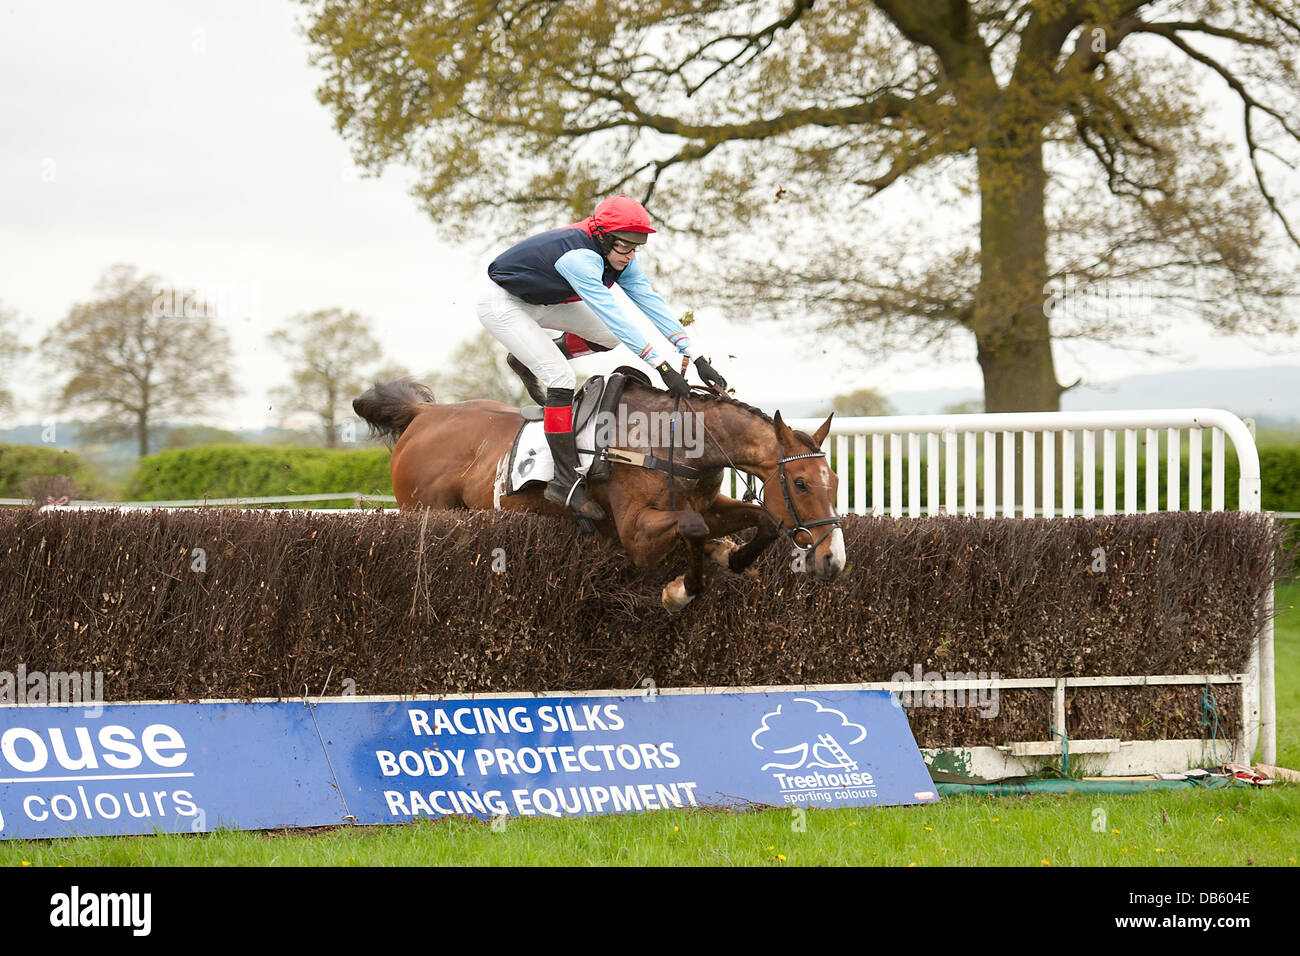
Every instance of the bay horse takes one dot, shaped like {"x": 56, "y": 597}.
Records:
{"x": 451, "y": 456}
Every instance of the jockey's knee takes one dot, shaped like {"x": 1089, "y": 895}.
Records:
{"x": 488, "y": 318}
{"x": 556, "y": 377}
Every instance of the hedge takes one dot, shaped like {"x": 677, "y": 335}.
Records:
{"x": 248, "y": 471}
{"x": 29, "y": 471}
{"x": 228, "y": 603}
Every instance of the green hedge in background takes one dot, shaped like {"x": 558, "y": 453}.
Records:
{"x": 250, "y": 471}
{"x": 1279, "y": 471}
{"x": 20, "y": 465}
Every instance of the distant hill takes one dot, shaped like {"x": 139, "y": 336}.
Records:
{"x": 1269, "y": 394}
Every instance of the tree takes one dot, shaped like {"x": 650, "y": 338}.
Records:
{"x": 477, "y": 369}
{"x": 862, "y": 402}
{"x": 135, "y": 355}
{"x": 12, "y": 350}
{"x": 326, "y": 350}
{"x": 1067, "y": 139}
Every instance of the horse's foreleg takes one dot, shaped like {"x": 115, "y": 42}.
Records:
{"x": 652, "y": 534}
{"x": 695, "y": 532}
{"x": 728, "y": 515}
{"x": 745, "y": 555}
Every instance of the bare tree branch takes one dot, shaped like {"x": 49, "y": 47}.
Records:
{"x": 1249, "y": 104}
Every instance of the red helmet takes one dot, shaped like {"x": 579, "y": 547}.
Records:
{"x": 619, "y": 214}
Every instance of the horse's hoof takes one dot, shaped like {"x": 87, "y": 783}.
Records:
{"x": 675, "y": 597}
{"x": 720, "y": 549}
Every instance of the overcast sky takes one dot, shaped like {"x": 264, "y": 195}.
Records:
{"x": 185, "y": 138}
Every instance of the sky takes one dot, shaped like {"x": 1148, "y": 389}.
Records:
{"x": 185, "y": 138}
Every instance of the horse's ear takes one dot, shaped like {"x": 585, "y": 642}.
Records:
{"x": 819, "y": 436}
{"x": 784, "y": 434}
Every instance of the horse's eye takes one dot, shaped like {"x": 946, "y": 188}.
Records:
{"x": 801, "y": 484}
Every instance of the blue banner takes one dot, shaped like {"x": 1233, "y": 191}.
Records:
{"x": 142, "y": 768}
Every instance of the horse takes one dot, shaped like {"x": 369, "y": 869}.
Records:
{"x": 453, "y": 456}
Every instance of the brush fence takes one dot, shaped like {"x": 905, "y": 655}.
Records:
{"x": 1065, "y": 464}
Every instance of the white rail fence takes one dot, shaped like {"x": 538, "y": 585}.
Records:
{"x": 949, "y": 464}
{"x": 1047, "y": 464}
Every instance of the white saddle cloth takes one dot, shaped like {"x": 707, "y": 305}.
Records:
{"x": 531, "y": 456}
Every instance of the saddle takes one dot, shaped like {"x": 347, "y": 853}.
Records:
{"x": 530, "y": 462}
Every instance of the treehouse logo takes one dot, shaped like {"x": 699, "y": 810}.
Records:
{"x": 811, "y": 762}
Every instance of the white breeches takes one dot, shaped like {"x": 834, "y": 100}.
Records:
{"x": 519, "y": 326}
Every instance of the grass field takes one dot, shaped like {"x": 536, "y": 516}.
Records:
{"x": 1211, "y": 828}
{"x": 1237, "y": 827}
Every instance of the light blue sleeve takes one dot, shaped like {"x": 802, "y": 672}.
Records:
{"x": 637, "y": 286}
{"x": 583, "y": 269}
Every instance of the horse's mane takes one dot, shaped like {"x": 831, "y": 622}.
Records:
{"x": 721, "y": 398}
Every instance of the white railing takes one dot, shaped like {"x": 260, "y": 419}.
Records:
{"x": 952, "y": 462}
{"x": 1005, "y": 465}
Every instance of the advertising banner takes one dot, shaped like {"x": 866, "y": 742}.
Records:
{"x": 194, "y": 767}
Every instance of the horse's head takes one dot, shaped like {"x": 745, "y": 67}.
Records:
{"x": 800, "y": 493}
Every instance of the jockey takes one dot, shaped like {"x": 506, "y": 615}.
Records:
{"x": 561, "y": 280}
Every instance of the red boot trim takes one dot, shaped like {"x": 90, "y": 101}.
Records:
{"x": 557, "y": 418}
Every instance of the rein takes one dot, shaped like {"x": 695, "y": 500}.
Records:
{"x": 672, "y": 453}
{"x": 800, "y": 525}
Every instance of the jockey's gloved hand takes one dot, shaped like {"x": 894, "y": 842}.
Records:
{"x": 673, "y": 380}
{"x": 708, "y": 375}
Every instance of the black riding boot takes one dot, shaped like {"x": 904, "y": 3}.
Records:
{"x": 534, "y": 387}
{"x": 566, "y": 487}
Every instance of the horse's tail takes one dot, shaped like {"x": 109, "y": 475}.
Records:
{"x": 388, "y": 407}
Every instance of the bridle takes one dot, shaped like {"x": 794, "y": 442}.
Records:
{"x": 800, "y": 525}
